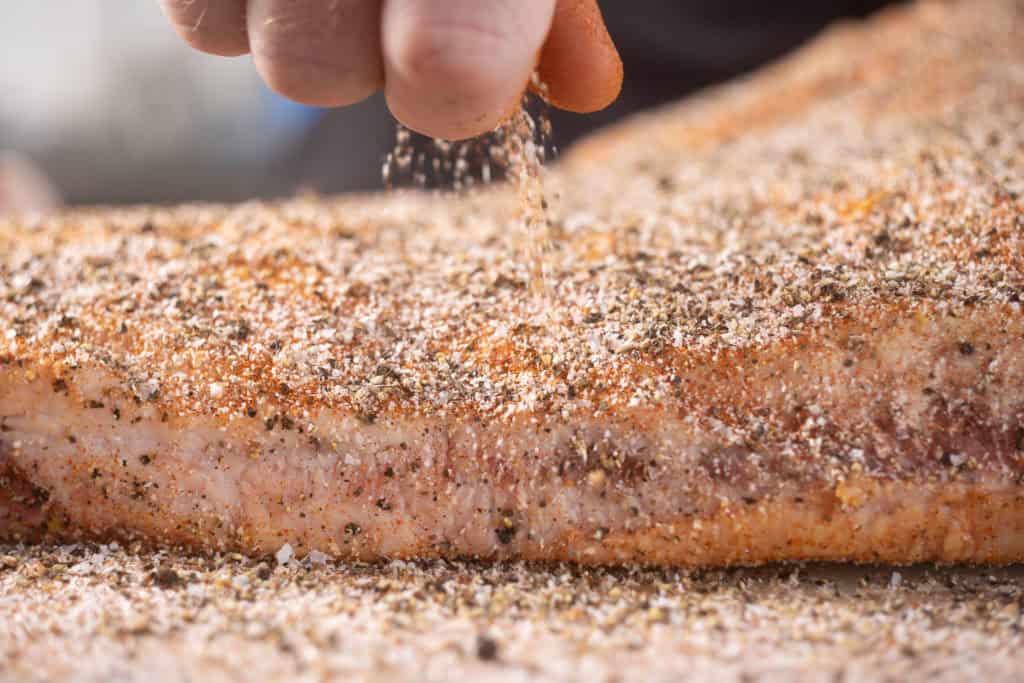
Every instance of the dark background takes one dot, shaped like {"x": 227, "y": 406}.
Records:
{"x": 113, "y": 108}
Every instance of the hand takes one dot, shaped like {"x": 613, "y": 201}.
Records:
{"x": 449, "y": 68}
{"x": 23, "y": 187}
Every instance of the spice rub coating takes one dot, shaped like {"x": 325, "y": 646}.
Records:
{"x": 784, "y": 321}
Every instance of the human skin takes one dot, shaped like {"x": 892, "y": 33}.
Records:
{"x": 449, "y": 68}
{"x": 23, "y": 187}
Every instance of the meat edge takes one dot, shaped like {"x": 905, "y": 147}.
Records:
{"x": 345, "y": 502}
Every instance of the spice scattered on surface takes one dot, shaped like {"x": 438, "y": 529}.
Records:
{"x": 88, "y": 612}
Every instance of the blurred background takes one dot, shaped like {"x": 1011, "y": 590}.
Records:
{"x": 111, "y": 107}
{"x": 106, "y": 99}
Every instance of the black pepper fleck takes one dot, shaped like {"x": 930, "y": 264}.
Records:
{"x": 505, "y": 534}
{"x": 167, "y": 578}
{"x": 486, "y": 648}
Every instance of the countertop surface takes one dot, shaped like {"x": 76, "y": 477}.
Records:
{"x": 108, "y": 613}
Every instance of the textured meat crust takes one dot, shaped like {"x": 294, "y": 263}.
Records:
{"x": 784, "y": 322}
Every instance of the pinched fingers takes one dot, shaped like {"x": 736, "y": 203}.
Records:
{"x": 318, "y": 52}
{"x": 450, "y": 68}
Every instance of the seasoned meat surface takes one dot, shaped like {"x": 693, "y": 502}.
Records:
{"x": 781, "y": 321}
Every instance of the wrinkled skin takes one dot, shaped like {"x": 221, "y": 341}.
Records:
{"x": 449, "y": 68}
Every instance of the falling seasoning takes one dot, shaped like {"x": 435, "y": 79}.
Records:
{"x": 518, "y": 148}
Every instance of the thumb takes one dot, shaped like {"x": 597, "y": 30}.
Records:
{"x": 456, "y": 68}
{"x": 579, "y": 63}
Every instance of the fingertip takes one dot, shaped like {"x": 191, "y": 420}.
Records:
{"x": 313, "y": 84}
{"x": 457, "y": 68}
{"x": 218, "y": 45}
{"x": 580, "y": 64}
{"x": 448, "y": 123}
{"x": 216, "y": 27}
